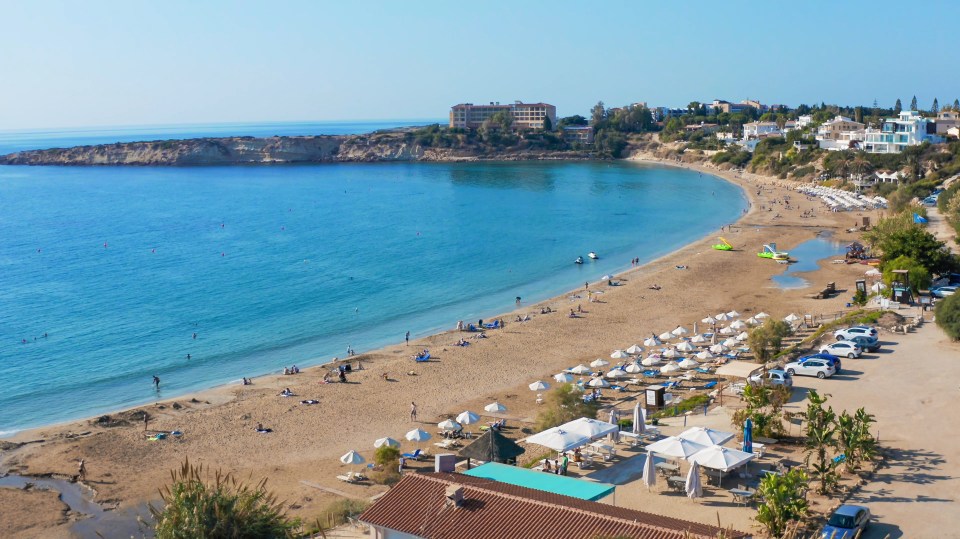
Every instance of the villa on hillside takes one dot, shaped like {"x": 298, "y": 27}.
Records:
{"x": 840, "y": 133}
{"x": 581, "y": 134}
{"x": 896, "y": 134}
{"x": 946, "y": 120}
{"x": 525, "y": 115}
{"x": 757, "y": 130}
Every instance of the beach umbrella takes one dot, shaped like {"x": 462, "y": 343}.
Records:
{"x": 617, "y": 373}
{"x": 753, "y": 321}
{"x": 718, "y": 349}
{"x": 722, "y": 317}
{"x": 733, "y": 314}
{"x": 651, "y": 341}
{"x": 675, "y": 447}
{"x": 599, "y": 363}
{"x": 877, "y": 286}
{"x": 649, "y": 472}
{"x": 619, "y": 354}
{"x": 704, "y": 355}
{"x": 468, "y": 418}
{"x": 738, "y": 325}
{"x": 539, "y": 386}
{"x": 761, "y": 315}
{"x": 665, "y": 336}
{"x": 633, "y": 368}
{"x": 580, "y": 369}
{"x": 743, "y": 336}
{"x": 748, "y": 436}
{"x": 709, "y": 320}
{"x": 669, "y": 368}
{"x": 651, "y": 360}
{"x": 563, "y": 378}
{"x": 706, "y": 436}
{"x": 698, "y": 339}
{"x": 680, "y": 330}
{"x": 874, "y": 272}
{"x": 686, "y": 347}
{"x": 606, "y": 277}
{"x": 634, "y": 350}
{"x": 688, "y": 364}
{"x": 670, "y": 353}
{"x": 417, "y": 435}
{"x": 693, "y": 487}
{"x": 558, "y": 439}
{"x": 639, "y": 419}
{"x": 352, "y": 457}
{"x": 721, "y": 458}
{"x": 598, "y": 382}
{"x": 495, "y": 407}
{"x": 791, "y": 318}
{"x": 449, "y": 425}
{"x": 730, "y": 342}
{"x": 727, "y": 331}
{"x": 389, "y": 442}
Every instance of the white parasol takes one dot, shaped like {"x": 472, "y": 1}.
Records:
{"x": 704, "y": 355}
{"x": 599, "y": 363}
{"x": 417, "y": 435}
{"x": 743, "y": 336}
{"x": 688, "y": 364}
{"x": 651, "y": 341}
{"x": 389, "y": 442}
{"x": 791, "y": 318}
{"x": 539, "y": 386}
{"x": 580, "y": 369}
{"x": 670, "y": 353}
{"x": 633, "y": 368}
{"x": 449, "y": 425}
{"x": 686, "y": 347}
{"x": 761, "y": 315}
{"x": 733, "y": 314}
{"x": 665, "y": 336}
{"x": 619, "y": 354}
{"x": 709, "y": 320}
{"x": 679, "y": 331}
{"x": 563, "y": 378}
{"x": 651, "y": 360}
{"x": 598, "y": 382}
{"x": 731, "y": 342}
{"x": 634, "y": 349}
{"x": 727, "y": 331}
{"x": 468, "y": 418}
{"x": 738, "y": 325}
{"x": 352, "y": 457}
{"x": 616, "y": 373}
{"x": 495, "y": 407}
{"x": 669, "y": 368}
{"x": 698, "y": 339}
{"x": 718, "y": 349}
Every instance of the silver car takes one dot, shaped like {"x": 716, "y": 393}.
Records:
{"x": 811, "y": 367}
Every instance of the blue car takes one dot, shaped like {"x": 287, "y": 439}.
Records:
{"x": 847, "y": 522}
{"x": 830, "y": 358}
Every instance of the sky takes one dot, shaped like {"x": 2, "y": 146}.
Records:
{"x": 106, "y": 63}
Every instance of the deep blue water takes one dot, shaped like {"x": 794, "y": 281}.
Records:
{"x": 807, "y": 254}
{"x": 277, "y": 265}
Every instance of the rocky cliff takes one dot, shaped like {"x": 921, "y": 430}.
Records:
{"x": 375, "y": 147}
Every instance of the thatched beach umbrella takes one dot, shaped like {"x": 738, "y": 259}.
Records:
{"x": 492, "y": 447}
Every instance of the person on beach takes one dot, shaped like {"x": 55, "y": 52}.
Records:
{"x": 82, "y": 470}
{"x": 518, "y": 301}
{"x": 413, "y": 411}
{"x": 156, "y": 382}
{"x": 146, "y": 421}
{"x": 407, "y": 338}
{"x": 586, "y": 286}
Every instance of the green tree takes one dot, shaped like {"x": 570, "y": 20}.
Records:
{"x": 913, "y": 103}
{"x": 948, "y": 316}
{"x": 897, "y": 108}
{"x": 385, "y": 455}
{"x": 767, "y": 340}
{"x": 919, "y": 245}
{"x": 547, "y": 124}
{"x": 197, "y": 505}
{"x": 821, "y": 438}
{"x": 919, "y": 276}
{"x": 956, "y": 104}
{"x": 936, "y": 106}
{"x": 858, "y": 115}
{"x": 783, "y": 501}
{"x": 598, "y": 114}
{"x": 861, "y": 166}
{"x": 576, "y": 119}
{"x": 564, "y": 404}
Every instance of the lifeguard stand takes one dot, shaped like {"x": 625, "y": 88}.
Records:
{"x": 901, "y": 287}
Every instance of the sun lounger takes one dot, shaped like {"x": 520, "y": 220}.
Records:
{"x": 710, "y": 385}
{"x": 651, "y": 373}
{"x": 425, "y": 357}
{"x": 471, "y": 327}
{"x": 415, "y": 455}
{"x": 742, "y": 496}
{"x": 493, "y": 325}
{"x": 351, "y": 477}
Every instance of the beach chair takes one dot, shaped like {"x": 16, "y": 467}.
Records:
{"x": 348, "y": 478}
{"x": 651, "y": 373}
{"x": 415, "y": 455}
{"x": 426, "y": 357}
{"x": 710, "y": 385}
{"x": 492, "y": 325}
{"x": 471, "y": 327}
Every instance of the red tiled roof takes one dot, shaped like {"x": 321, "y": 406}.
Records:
{"x": 417, "y": 505}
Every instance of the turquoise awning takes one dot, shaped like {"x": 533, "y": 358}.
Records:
{"x": 547, "y": 482}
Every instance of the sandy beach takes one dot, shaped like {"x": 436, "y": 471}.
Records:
{"x": 303, "y": 448}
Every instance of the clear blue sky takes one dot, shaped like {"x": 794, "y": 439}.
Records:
{"x": 68, "y": 64}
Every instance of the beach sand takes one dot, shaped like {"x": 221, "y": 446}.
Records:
{"x": 307, "y": 440}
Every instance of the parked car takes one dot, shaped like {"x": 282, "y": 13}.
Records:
{"x": 821, "y": 368}
{"x": 853, "y": 331}
{"x": 943, "y": 291}
{"x": 843, "y": 348}
{"x": 773, "y": 377}
{"x": 867, "y": 344}
{"x": 830, "y": 358}
{"x": 847, "y": 522}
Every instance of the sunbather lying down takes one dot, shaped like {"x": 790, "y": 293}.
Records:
{"x": 310, "y": 401}
{"x": 261, "y": 429}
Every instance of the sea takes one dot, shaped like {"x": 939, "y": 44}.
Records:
{"x": 110, "y": 276}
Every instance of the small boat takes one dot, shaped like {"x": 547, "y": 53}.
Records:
{"x": 593, "y": 255}
{"x": 724, "y": 246}
{"x": 771, "y": 252}
{"x": 579, "y": 260}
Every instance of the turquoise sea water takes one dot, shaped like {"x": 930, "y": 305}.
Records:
{"x": 277, "y": 265}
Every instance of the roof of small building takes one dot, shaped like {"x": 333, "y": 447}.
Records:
{"x": 418, "y": 505}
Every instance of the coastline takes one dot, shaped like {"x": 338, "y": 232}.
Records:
{"x": 497, "y": 368}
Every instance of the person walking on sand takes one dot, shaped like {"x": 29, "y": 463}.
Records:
{"x": 146, "y": 421}
{"x": 413, "y": 411}
{"x": 156, "y": 382}
{"x": 407, "y": 338}
{"x": 82, "y": 470}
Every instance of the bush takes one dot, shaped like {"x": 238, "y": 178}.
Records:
{"x": 948, "y": 315}
{"x": 767, "y": 340}
{"x": 199, "y": 506}
{"x": 336, "y": 512}
{"x": 386, "y": 454}
{"x": 564, "y": 404}
{"x": 918, "y": 275}
{"x": 693, "y": 403}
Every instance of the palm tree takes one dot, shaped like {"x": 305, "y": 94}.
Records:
{"x": 783, "y": 500}
{"x": 821, "y": 432}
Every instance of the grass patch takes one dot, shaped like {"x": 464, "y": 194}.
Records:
{"x": 537, "y": 460}
{"x": 337, "y": 511}
{"x": 686, "y": 405}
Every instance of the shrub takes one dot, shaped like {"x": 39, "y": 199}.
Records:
{"x": 695, "y": 402}
{"x": 783, "y": 500}
{"x": 564, "y": 404}
{"x": 767, "y": 340}
{"x": 948, "y": 315}
{"x": 336, "y": 513}
{"x": 386, "y": 454}
{"x": 918, "y": 275}
{"x": 199, "y": 506}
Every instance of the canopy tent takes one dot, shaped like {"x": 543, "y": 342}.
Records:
{"x": 558, "y": 439}
{"x": 492, "y": 447}
{"x": 706, "y": 436}
{"x": 591, "y": 428}
{"x": 547, "y": 482}
{"x": 721, "y": 458}
{"x": 739, "y": 369}
{"x": 675, "y": 447}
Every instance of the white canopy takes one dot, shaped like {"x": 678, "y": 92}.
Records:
{"x": 558, "y": 439}
{"x": 675, "y": 447}
{"x": 704, "y": 355}
{"x": 731, "y": 343}
{"x": 670, "y": 353}
{"x": 633, "y": 368}
{"x": 539, "y": 385}
{"x": 616, "y": 373}
{"x": 598, "y": 382}
{"x": 580, "y": 369}
{"x": 718, "y": 349}
{"x": 706, "y": 436}
{"x": 389, "y": 442}
{"x": 686, "y": 347}
{"x": 753, "y": 321}
{"x": 619, "y": 354}
{"x": 651, "y": 341}
{"x": 733, "y": 314}
{"x": 417, "y": 435}
{"x": 688, "y": 364}
{"x": 709, "y": 320}
{"x": 738, "y": 325}
{"x": 761, "y": 315}
{"x": 877, "y": 286}
{"x": 721, "y": 458}
{"x": 634, "y": 349}
{"x": 468, "y": 418}
{"x": 697, "y": 339}
{"x": 450, "y": 425}
{"x": 669, "y": 368}
{"x": 495, "y": 407}
{"x": 791, "y": 318}
{"x": 738, "y": 369}
{"x": 727, "y": 331}
{"x": 591, "y": 428}
{"x": 599, "y": 362}
{"x": 563, "y": 378}
{"x": 680, "y": 330}
{"x": 352, "y": 458}
{"x": 743, "y": 336}
{"x": 873, "y": 272}
{"x": 722, "y": 317}
{"x": 665, "y": 336}
{"x": 651, "y": 360}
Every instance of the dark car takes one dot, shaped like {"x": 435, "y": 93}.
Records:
{"x": 868, "y": 344}
{"x": 847, "y": 522}
{"x": 830, "y": 358}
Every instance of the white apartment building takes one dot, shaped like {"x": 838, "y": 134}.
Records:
{"x": 754, "y": 130}
{"x": 896, "y": 134}
{"x": 804, "y": 120}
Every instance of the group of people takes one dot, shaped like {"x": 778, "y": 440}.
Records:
{"x": 291, "y": 370}
{"x": 286, "y": 392}
{"x": 559, "y": 467}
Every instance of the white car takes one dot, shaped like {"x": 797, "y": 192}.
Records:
{"x": 844, "y": 334}
{"x": 842, "y": 349}
{"x": 820, "y": 368}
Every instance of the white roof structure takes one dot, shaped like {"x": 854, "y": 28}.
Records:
{"x": 675, "y": 447}
{"x": 721, "y": 458}
{"x": 559, "y": 439}
{"x": 738, "y": 369}
{"x": 706, "y": 436}
{"x": 591, "y": 428}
